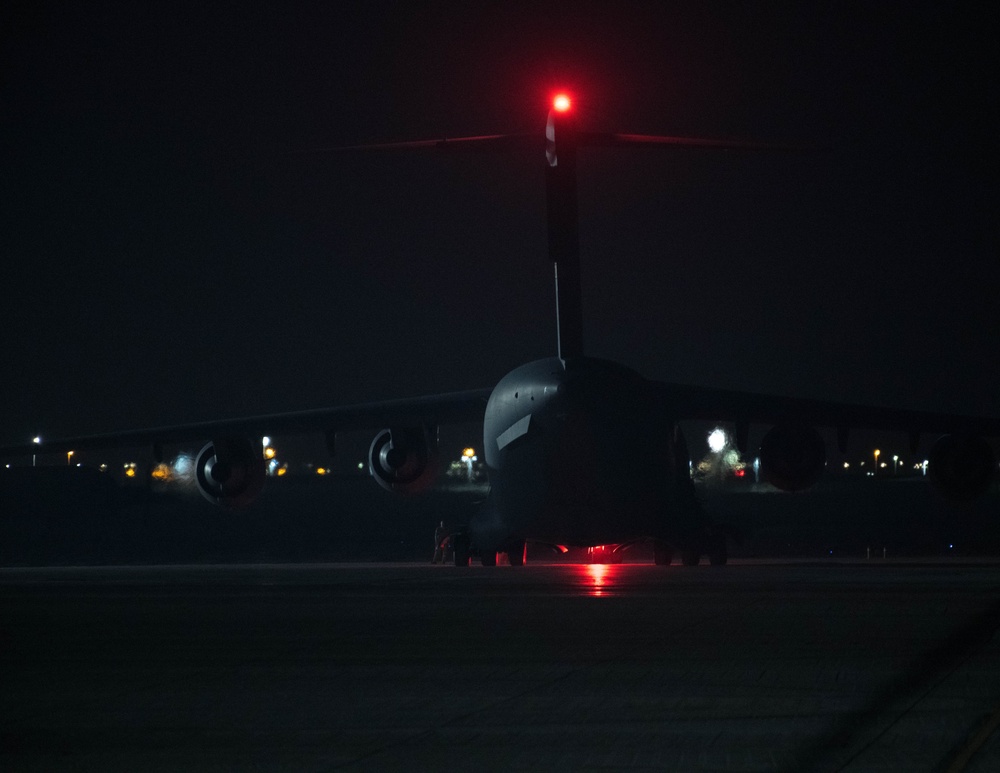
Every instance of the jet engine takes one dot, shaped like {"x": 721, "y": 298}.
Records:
{"x": 230, "y": 471}
{"x": 403, "y": 460}
{"x": 792, "y": 456}
{"x": 962, "y": 466}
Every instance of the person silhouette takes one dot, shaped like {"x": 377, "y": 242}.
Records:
{"x": 440, "y": 540}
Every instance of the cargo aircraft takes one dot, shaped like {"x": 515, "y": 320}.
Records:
{"x": 560, "y": 434}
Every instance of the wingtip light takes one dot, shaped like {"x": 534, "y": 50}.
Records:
{"x": 561, "y": 103}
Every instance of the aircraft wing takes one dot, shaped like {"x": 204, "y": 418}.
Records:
{"x": 691, "y": 402}
{"x": 430, "y": 410}
{"x": 507, "y": 142}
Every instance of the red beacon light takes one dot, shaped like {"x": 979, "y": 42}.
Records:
{"x": 561, "y": 103}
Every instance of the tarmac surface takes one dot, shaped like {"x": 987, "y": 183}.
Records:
{"x": 758, "y": 666}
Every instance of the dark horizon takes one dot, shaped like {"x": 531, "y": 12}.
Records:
{"x": 171, "y": 257}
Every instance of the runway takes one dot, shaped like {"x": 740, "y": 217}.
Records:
{"x": 757, "y": 666}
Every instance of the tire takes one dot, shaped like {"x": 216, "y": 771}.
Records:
{"x": 517, "y": 554}
{"x": 718, "y": 555}
{"x": 690, "y": 557}
{"x": 461, "y": 546}
{"x": 663, "y": 553}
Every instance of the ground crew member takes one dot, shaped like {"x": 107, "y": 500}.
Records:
{"x": 440, "y": 538}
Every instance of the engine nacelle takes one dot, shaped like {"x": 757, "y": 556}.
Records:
{"x": 792, "y": 456}
{"x": 403, "y": 460}
{"x": 962, "y": 466}
{"x": 230, "y": 471}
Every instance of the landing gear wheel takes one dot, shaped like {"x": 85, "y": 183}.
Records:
{"x": 663, "y": 554}
{"x": 690, "y": 557}
{"x": 517, "y": 553}
{"x": 718, "y": 555}
{"x": 461, "y": 545}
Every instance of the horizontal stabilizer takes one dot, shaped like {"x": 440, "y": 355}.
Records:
{"x": 506, "y": 142}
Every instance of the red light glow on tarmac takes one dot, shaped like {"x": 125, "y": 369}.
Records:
{"x": 598, "y": 579}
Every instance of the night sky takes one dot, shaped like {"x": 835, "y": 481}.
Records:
{"x": 170, "y": 254}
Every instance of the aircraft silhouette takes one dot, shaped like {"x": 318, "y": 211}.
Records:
{"x": 563, "y": 435}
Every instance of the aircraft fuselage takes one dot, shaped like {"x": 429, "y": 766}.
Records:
{"x": 582, "y": 453}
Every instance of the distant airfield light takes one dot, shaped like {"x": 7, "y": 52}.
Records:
{"x": 183, "y": 465}
{"x": 561, "y": 103}
{"x": 469, "y": 456}
{"x": 847, "y": 465}
{"x": 717, "y": 440}
{"x": 69, "y": 457}
{"x": 321, "y": 470}
{"x": 269, "y": 452}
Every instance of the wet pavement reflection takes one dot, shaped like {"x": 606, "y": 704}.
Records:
{"x": 598, "y": 579}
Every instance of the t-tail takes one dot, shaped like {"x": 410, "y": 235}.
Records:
{"x": 563, "y": 226}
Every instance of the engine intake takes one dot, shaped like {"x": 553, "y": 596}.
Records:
{"x": 403, "y": 460}
{"x": 230, "y": 471}
{"x": 792, "y": 456}
{"x": 962, "y": 466}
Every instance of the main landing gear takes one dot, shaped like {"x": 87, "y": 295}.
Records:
{"x": 712, "y": 545}
{"x": 517, "y": 552}
{"x": 463, "y": 551}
